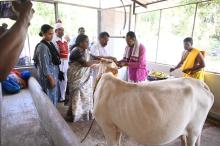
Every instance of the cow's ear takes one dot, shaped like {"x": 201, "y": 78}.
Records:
{"x": 114, "y": 71}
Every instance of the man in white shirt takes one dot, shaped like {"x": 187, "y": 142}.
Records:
{"x": 72, "y": 42}
{"x": 101, "y": 50}
{"x": 62, "y": 47}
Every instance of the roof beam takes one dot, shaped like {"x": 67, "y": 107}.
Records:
{"x": 155, "y": 2}
{"x": 139, "y": 3}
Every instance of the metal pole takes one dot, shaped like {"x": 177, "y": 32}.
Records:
{"x": 117, "y": 36}
{"x": 134, "y": 6}
{"x": 158, "y": 38}
{"x": 99, "y": 21}
{"x": 130, "y": 17}
{"x": 194, "y": 21}
{"x": 29, "y": 49}
{"x": 99, "y": 13}
{"x": 139, "y": 3}
{"x": 135, "y": 22}
{"x": 56, "y": 11}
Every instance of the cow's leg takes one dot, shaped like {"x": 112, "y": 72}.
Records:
{"x": 191, "y": 140}
{"x": 198, "y": 141}
{"x": 111, "y": 134}
{"x": 119, "y": 136}
{"x": 183, "y": 140}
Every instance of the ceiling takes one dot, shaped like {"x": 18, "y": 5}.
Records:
{"x": 117, "y": 3}
{"x": 107, "y": 3}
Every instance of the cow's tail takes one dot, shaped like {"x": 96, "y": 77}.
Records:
{"x": 88, "y": 131}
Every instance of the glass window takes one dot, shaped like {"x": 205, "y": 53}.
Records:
{"x": 74, "y": 17}
{"x": 147, "y": 25}
{"x": 117, "y": 46}
{"x": 207, "y": 33}
{"x": 24, "y": 58}
{"x": 112, "y": 21}
{"x": 44, "y": 14}
{"x": 8, "y": 21}
{"x": 176, "y": 24}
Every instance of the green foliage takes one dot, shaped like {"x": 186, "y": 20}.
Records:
{"x": 148, "y": 24}
{"x": 177, "y": 23}
{"x": 44, "y": 14}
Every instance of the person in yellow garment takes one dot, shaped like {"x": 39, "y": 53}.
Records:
{"x": 192, "y": 62}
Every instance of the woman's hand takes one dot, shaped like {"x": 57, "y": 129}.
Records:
{"x": 172, "y": 69}
{"x": 95, "y": 61}
{"x": 52, "y": 82}
{"x": 92, "y": 63}
{"x": 187, "y": 71}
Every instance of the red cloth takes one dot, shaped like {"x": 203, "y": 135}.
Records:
{"x": 17, "y": 75}
{"x": 14, "y": 71}
{"x": 63, "y": 49}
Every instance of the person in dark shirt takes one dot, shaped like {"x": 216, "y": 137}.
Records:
{"x": 79, "y": 80}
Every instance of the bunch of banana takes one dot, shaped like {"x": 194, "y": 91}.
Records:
{"x": 158, "y": 74}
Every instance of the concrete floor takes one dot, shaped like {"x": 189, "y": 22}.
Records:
{"x": 210, "y": 135}
{"x": 20, "y": 122}
{"x": 21, "y": 126}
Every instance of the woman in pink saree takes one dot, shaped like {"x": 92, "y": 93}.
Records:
{"x": 135, "y": 59}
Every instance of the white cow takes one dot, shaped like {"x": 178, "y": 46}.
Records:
{"x": 152, "y": 113}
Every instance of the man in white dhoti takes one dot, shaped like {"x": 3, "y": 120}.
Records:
{"x": 62, "y": 47}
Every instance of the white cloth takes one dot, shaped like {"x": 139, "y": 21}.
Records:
{"x": 58, "y": 25}
{"x": 55, "y": 39}
{"x": 63, "y": 67}
{"x": 135, "y": 52}
{"x": 98, "y": 50}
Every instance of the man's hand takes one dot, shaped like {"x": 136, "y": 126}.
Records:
{"x": 23, "y": 10}
{"x": 122, "y": 63}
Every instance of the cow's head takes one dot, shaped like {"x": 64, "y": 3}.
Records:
{"x": 107, "y": 65}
